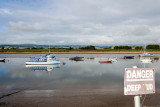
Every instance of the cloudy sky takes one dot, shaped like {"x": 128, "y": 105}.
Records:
{"x": 79, "y": 22}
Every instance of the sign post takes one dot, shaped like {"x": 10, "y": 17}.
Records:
{"x": 137, "y": 101}
{"x": 139, "y": 81}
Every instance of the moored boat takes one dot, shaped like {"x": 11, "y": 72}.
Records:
{"x": 107, "y": 61}
{"x": 145, "y": 54}
{"x": 128, "y": 57}
{"x": 113, "y": 59}
{"x": 2, "y": 60}
{"x": 146, "y": 60}
{"x": 77, "y": 58}
{"x": 43, "y": 60}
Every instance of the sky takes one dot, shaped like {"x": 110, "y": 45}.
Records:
{"x": 80, "y": 22}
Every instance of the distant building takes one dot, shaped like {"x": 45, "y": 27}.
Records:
{"x": 21, "y": 47}
{"x": 98, "y": 47}
{"x": 7, "y": 47}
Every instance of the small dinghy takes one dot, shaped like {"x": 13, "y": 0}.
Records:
{"x": 128, "y": 57}
{"x": 113, "y": 59}
{"x": 77, "y": 58}
{"x": 2, "y": 60}
{"x": 107, "y": 61}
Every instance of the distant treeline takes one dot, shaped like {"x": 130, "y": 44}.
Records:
{"x": 88, "y": 48}
{"x": 149, "y": 47}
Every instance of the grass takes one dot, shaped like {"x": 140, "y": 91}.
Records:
{"x": 63, "y": 50}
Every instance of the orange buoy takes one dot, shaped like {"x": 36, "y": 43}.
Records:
{"x": 63, "y": 63}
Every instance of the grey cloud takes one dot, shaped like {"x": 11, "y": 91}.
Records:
{"x": 25, "y": 27}
{"x": 141, "y": 30}
{"x": 83, "y": 22}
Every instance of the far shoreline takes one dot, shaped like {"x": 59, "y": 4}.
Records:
{"x": 76, "y": 52}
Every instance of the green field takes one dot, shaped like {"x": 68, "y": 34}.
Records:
{"x": 61, "y": 50}
{"x": 152, "y": 48}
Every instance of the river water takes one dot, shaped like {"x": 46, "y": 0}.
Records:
{"x": 76, "y": 83}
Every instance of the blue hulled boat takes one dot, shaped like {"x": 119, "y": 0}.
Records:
{"x": 146, "y": 55}
{"x": 43, "y": 60}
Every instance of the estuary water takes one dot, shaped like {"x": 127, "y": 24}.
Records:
{"x": 76, "y": 83}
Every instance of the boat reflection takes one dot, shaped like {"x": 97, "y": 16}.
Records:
{"x": 146, "y": 60}
{"x": 2, "y": 60}
{"x": 77, "y": 58}
{"x": 156, "y": 59}
{"x": 105, "y": 62}
{"x": 43, "y": 67}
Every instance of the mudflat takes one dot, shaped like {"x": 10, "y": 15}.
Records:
{"x": 76, "y": 98}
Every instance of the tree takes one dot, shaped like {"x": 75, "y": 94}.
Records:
{"x": 122, "y": 47}
{"x": 70, "y": 48}
{"x": 116, "y": 47}
{"x": 88, "y": 48}
{"x": 41, "y": 48}
{"x": 152, "y": 46}
{"x": 138, "y": 47}
{"x": 34, "y": 48}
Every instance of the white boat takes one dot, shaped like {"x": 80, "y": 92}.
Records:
{"x": 2, "y": 60}
{"x": 144, "y": 54}
{"x": 43, "y": 60}
{"x": 146, "y": 60}
{"x": 113, "y": 59}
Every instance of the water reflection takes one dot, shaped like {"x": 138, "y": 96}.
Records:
{"x": 77, "y": 58}
{"x": 156, "y": 59}
{"x": 43, "y": 67}
{"x": 2, "y": 60}
{"x": 84, "y": 75}
{"x": 146, "y": 60}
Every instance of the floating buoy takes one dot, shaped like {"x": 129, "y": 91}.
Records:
{"x": 63, "y": 63}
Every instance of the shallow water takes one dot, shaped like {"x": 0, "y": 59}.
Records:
{"x": 75, "y": 78}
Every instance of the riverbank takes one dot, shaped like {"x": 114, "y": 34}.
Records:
{"x": 78, "y": 98}
{"x": 76, "y": 52}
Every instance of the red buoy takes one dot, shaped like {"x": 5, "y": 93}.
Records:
{"x": 63, "y": 63}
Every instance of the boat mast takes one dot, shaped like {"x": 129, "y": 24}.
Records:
{"x": 49, "y": 48}
{"x": 145, "y": 48}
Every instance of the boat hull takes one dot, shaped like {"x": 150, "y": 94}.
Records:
{"x": 43, "y": 63}
{"x": 146, "y": 61}
{"x": 128, "y": 57}
{"x": 76, "y": 58}
{"x": 2, "y": 60}
{"x": 146, "y": 55}
{"x": 105, "y": 61}
{"x": 113, "y": 59}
